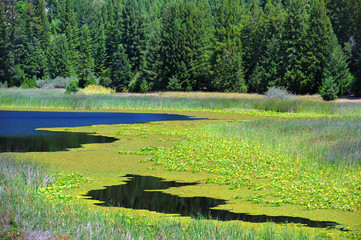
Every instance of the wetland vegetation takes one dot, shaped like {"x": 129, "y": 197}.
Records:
{"x": 275, "y": 163}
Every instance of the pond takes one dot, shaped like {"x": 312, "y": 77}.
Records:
{"x": 18, "y": 134}
{"x": 144, "y": 192}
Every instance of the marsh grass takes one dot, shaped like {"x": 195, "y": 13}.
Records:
{"x": 50, "y": 99}
{"x": 20, "y": 202}
{"x": 323, "y": 140}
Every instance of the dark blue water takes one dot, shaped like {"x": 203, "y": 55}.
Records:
{"x": 18, "y": 134}
{"x": 143, "y": 192}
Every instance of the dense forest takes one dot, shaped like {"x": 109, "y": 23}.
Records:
{"x": 307, "y": 46}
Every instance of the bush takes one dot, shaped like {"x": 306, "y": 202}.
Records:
{"x": 174, "y": 84}
{"x": 91, "y": 80}
{"x": 279, "y": 93}
{"x": 329, "y": 89}
{"x": 144, "y": 87}
{"x": 28, "y": 83}
{"x": 96, "y": 89}
{"x": 4, "y": 85}
{"x": 72, "y": 86}
{"x": 58, "y": 82}
{"x": 105, "y": 82}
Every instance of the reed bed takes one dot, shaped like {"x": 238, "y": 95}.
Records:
{"x": 54, "y": 99}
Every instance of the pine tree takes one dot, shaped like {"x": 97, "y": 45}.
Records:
{"x": 133, "y": 33}
{"x": 100, "y": 55}
{"x": 183, "y": 40}
{"x": 253, "y": 37}
{"x": 268, "y": 72}
{"x": 86, "y": 55}
{"x": 337, "y": 67}
{"x": 113, "y": 29}
{"x": 152, "y": 64}
{"x": 329, "y": 89}
{"x": 35, "y": 60}
{"x": 70, "y": 29}
{"x": 3, "y": 44}
{"x": 121, "y": 70}
{"x": 318, "y": 33}
{"x": 226, "y": 60}
{"x": 43, "y": 31}
{"x": 60, "y": 60}
{"x": 295, "y": 47}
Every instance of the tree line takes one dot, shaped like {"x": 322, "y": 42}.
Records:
{"x": 306, "y": 46}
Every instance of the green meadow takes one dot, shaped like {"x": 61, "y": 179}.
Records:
{"x": 298, "y": 158}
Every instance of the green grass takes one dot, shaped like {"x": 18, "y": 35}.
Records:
{"x": 52, "y": 99}
{"x": 323, "y": 140}
{"x": 26, "y": 211}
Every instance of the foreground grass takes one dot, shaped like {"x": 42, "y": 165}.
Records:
{"x": 52, "y": 99}
{"x": 25, "y": 212}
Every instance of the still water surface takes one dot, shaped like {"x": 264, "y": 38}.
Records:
{"x": 144, "y": 192}
{"x": 18, "y": 134}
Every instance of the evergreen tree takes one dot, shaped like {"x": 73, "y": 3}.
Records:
{"x": 100, "y": 55}
{"x": 329, "y": 89}
{"x": 60, "y": 60}
{"x": 3, "y": 44}
{"x": 86, "y": 55}
{"x": 226, "y": 60}
{"x": 318, "y": 33}
{"x": 153, "y": 65}
{"x": 43, "y": 31}
{"x": 183, "y": 39}
{"x": 253, "y": 37}
{"x": 121, "y": 70}
{"x": 113, "y": 29}
{"x": 70, "y": 28}
{"x": 133, "y": 33}
{"x": 268, "y": 72}
{"x": 35, "y": 60}
{"x": 337, "y": 67}
{"x": 295, "y": 47}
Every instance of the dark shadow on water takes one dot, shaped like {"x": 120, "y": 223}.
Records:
{"x": 51, "y": 142}
{"x": 142, "y": 192}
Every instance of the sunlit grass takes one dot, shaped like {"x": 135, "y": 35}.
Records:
{"x": 244, "y": 103}
{"x": 323, "y": 140}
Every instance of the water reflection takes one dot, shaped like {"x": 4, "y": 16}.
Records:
{"x": 18, "y": 134}
{"x": 50, "y": 142}
{"x": 142, "y": 192}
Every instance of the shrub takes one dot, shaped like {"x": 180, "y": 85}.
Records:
{"x": 4, "y": 85}
{"x": 279, "y": 93}
{"x": 329, "y": 89}
{"x": 58, "y": 82}
{"x": 28, "y": 83}
{"x": 72, "y": 86}
{"x": 96, "y": 89}
{"x": 91, "y": 80}
{"x": 144, "y": 87}
{"x": 174, "y": 84}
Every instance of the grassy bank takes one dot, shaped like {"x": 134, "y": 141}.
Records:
{"x": 25, "y": 213}
{"x": 52, "y": 99}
